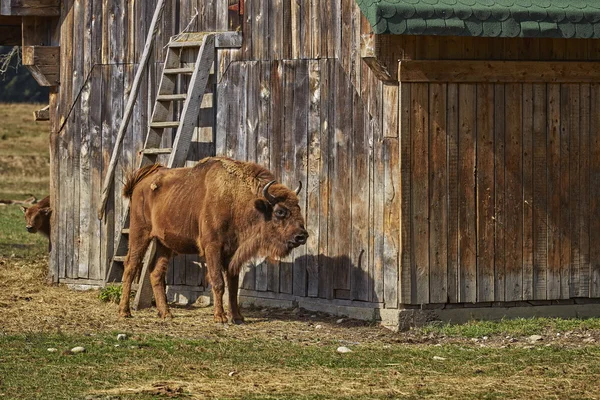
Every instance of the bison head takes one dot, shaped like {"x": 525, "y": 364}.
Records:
{"x": 283, "y": 216}
{"x": 35, "y": 217}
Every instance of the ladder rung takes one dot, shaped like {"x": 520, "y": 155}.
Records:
{"x": 165, "y": 124}
{"x": 172, "y": 71}
{"x": 166, "y": 150}
{"x": 171, "y": 97}
{"x": 119, "y": 258}
{"x": 185, "y": 44}
{"x": 125, "y": 231}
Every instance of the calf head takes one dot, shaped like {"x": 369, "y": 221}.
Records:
{"x": 36, "y": 217}
{"x": 284, "y": 223}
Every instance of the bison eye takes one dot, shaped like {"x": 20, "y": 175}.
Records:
{"x": 281, "y": 213}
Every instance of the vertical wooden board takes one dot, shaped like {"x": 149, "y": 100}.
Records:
{"x": 584, "y": 184}
{"x": 54, "y": 189}
{"x": 391, "y": 221}
{"x": 346, "y": 35}
{"x": 595, "y": 191}
{"x": 407, "y": 277}
{"x": 233, "y": 137}
{"x": 499, "y": 192}
{"x": 438, "y": 203}
{"x": 262, "y": 146}
{"x": 420, "y": 189}
{"x": 286, "y": 158}
{"x": 260, "y": 36}
{"x": 527, "y": 191}
{"x": 466, "y": 194}
{"x": 287, "y": 30}
{"x": 108, "y": 113}
{"x": 315, "y": 28}
{"x": 326, "y": 124}
{"x": 361, "y": 280}
{"x": 222, "y": 122}
{"x": 85, "y": 185}
{"x": 574, "y": 110}
{"x": 248, "y": 28}
{"x": 452, "y": 129}
{"x": 340, "y": 174}
{"x": 485, "y": 192}
{"x": 299, "y": 133}
{"x": 392, "y": 193}
{"x": 117, "y": 91}
{"x": 540, "y": 192}
{"x": 276, "y": 29}
{"x": 513, "y": 198}
{"x": 295, "y": 37}
{"x": 305, "y": 30}
{"x": 95, "y": 166}
{"x": 241, "y": 131}
{"x": 313, "y": 178}
{"x": 276, "y": 148}
{"x": 554, "y": 192}
{"x": 565, "y": 193}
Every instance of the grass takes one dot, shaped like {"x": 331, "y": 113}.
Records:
{"x": 513, "y": 327}
{"x": 231, "y": 368}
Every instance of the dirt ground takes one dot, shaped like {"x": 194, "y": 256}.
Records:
{"x": 29, "y": 305}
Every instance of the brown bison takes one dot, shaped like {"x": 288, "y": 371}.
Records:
{"x": 37, "y": 218}
{"x": 227, "y": 211}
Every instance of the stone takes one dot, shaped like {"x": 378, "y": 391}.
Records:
{"x": 343, "y": 349}
{"x": 319, "y": 327}
{"x": 78, "y": 349}
{"x": 535, "y": 338}
{"x": 52, "y": 350}
{"x": 121, "y": 336}
{"x": 438, "y": 358}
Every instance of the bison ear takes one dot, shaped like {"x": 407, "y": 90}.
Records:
{"x": 24, "y": 209}
{"x": 46, "y": 210}
{"x": 262, "y": 206}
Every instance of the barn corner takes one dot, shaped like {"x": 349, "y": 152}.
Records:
{"x": 450, "y": 154}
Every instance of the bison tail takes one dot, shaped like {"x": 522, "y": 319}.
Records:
{"x": 134, "y": 177}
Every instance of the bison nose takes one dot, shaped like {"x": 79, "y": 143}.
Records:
{"x": 29, "y": 228}
{"x": 301, "y": 237}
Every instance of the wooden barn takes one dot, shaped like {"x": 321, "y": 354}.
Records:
{"x": 449, "y": 149}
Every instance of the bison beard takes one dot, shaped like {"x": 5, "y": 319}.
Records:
{"x": 228, "y": 211}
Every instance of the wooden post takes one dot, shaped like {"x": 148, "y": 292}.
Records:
{"x": 108, "y": 179}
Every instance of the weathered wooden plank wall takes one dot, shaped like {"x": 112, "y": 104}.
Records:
{"x": 521, "y": 158}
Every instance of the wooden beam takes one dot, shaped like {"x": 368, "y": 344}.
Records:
{"x": 370, "y": 52}
{"x": 43, "y": 114}
{"x": 470, "y": 71}
{"x": 44, "y": 63}
{"x": 40, "y": 8}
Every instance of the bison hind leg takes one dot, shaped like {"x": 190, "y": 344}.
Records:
{"x": 157, "y": 279}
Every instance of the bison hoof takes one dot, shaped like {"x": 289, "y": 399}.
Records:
{"x": 165, "y": 314}
{"x": 125, "y": 314}
{"x": 237, "y": 319}
{"x": 220, "y": 319}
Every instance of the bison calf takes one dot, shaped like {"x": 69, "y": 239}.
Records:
{"x": 227, "y": 211}
{"x": 37, "y": 218}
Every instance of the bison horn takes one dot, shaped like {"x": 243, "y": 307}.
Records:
{"x": 299, "y": 188}
{"x": 268, "y": 195}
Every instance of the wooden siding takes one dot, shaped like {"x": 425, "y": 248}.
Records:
{"x": 413, "y": 193}
{"x": 524, "y": 192}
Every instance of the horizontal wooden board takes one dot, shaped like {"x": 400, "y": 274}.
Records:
{"x": 469, "y": 71}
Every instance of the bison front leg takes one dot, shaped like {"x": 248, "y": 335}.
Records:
{"x": 233, "y": 281}
{"x": 157, "y": 279}
{"x": 214, "y": 263}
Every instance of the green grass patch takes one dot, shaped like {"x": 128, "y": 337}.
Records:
{"x": 513, "y": 327}
{"x": 264, "y": 368}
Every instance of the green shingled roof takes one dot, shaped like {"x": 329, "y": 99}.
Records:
{"x": 491, "y": 18}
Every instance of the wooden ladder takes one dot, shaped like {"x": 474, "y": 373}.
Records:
{"x": 205, "y": 45}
